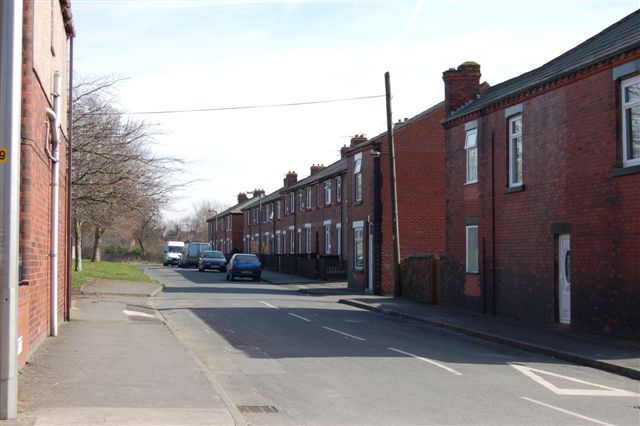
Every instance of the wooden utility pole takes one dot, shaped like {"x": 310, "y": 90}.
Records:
{"x": 397, "y": 289}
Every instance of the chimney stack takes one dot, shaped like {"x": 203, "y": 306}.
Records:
{"x": 358, "y": 139}
{"x": 343, "y": 151}
{"x": 242, "y": 197}
{"x": 257, "y": 192}
{"x": 315, "y": 168}
{"x": 290, "y": 179}
{"x": 461, "y": 85}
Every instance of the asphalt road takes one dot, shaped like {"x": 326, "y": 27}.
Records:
{"x": 285, "y": 358}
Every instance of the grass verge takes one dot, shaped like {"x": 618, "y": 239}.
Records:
{"x": 108, "y": 271}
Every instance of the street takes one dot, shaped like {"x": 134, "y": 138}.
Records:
{"x": 280, "y": 356}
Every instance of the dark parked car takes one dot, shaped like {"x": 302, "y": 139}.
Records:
{"x": 191, "y": 254}
{"x": 212, "y": 259}
{"x": 244, "y": 265}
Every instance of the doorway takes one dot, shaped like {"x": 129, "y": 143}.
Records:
{"x": 564, "y": 281}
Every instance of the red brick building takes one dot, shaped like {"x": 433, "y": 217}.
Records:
{"x": 543, "y": 188}
{"x": 419, "y": 159}
{"x": 227, "y": 228}
{"x": 43, "y": 300}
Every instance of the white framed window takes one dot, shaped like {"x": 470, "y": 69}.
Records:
{"x": 631, "y": 121}
{"x": 278, "y": 243}
{"x": 339, "y": 238}
{"x": 309, "y": 197}
{"x": 327, "y": 239}
{"x": 338, "y": 189}
{"x": 472, "y": 249}
{"x": 278, "y": 209}
{"x": 515, "y": 151}
{"x": 292, "y": 240}
{"x": 292, "y": 202}
{"x": 327, "y": 193}
{"x": 299, "y": 240}
{"x": 357, "y": 180}
{"x": 307, "y": 237}
{"x": 358, "y": 248}
{"x": 284, "y": 242}
{"x": 471, "y": 151}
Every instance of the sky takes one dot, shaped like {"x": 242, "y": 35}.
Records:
{"x": 219, "y": 55}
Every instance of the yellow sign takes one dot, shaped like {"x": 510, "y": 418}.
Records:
{"x": 3, "y": 155}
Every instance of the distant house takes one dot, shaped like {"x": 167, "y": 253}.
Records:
{"x": 543, "y": 188}
{"x": 226, "y": 228}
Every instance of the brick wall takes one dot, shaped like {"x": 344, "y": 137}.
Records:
{"x": 35, "y": 199}
{"x": 419, "y": 153}
{"x": 571, "y": 134}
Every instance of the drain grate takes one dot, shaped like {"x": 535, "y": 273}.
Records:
{"x": 257, "y": 409}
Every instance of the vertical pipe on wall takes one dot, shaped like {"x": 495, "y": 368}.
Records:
{"x": 54, "y": 118}
{"x": 394, "y": 202}
{"x": 67, "y": 310}
{"x": 10, "y": 114}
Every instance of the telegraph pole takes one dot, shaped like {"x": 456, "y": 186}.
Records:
{"x": 397, "y": 290}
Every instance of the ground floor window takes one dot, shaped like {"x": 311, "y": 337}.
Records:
{"x": 472, "y": 249}
{"x": 358, "y": 245}
{"x": 327, "y": 239}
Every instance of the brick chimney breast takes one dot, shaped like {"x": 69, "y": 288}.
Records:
{"x": 242, "y": 197}
{"x": 343, "y": 151}
{"x": 290, "y": 179}
{"x": 358, "y": 139}
{"x": 461, "y": 85}
{"x": 315, "y": 168}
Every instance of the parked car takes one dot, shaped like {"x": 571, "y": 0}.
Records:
{"x": 212, "y": 259}
{"x": 244, "y": 265}
{"x": 191, "y": 253}
{"x": 172, "y": 252}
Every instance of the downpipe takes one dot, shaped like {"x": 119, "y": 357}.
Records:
{"x": 54, "y": 119}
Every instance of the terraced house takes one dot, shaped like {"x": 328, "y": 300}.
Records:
{"x": 543, "y": 188}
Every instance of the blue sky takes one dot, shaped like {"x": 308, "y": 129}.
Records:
{"x": 211, "y": 54}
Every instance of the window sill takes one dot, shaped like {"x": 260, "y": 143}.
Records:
{"x": 511, "y": 189}
{"x": 471, "y": 183}
{"x": 358, "y": 270}
{"x": 472, "y": 273}
{"x": 357, "y": 203}
{"x": 626, "y": 170}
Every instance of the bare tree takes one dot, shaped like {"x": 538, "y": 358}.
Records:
{"x": 115, "y": 173}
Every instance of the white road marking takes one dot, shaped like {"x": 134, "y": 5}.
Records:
{"x": 298, "y": 316}
{"x": 430, "y": 361}
{"x": 344, "y": 334}
{"x": 268, "y": 304}
{"x": 601, "y": 391}
{"x": 138, "y": 314}
{"x": 562, "y": 410}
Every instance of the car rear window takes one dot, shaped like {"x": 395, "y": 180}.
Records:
{"x": 247, "y": 258}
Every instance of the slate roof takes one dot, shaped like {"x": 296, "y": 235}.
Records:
{"x": 331, "y": 170}
{"x": 620, "y": 37}
{"x": 234, "y": 209}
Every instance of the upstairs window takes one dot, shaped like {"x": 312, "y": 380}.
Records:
{"x": 471, "y": 150}
{"x": 338, "y": 189}
{"x": 515, "y": 151}
{"x": 309, "y": 197}
{"x": 292, "y": 202}
{"x": 278, "y": 208}
{"x": 300, "y": 200}
{"x": 357, "y": 177}
{"x": 327, "y": 193}
{"x": 631, "y": 121}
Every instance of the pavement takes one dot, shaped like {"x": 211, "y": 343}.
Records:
{"x": 117, "y": 362}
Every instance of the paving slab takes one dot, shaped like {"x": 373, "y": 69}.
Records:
{"x": 121, "y": 288}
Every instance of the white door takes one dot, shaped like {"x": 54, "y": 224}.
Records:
{"x": 565, "y": 279}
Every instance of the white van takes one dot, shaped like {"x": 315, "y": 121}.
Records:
{"x": 172, "y": 252}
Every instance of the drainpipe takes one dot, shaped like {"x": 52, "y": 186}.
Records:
{"x": 54, "y": 119}
{"x": 10, "y": 117}
{"x": 67, "y": 313}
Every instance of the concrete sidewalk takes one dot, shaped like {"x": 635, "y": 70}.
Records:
{"x": 121, "y": 288}
{"x": 116, "y": 363}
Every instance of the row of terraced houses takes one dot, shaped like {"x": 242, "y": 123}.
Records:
{"x": 519, "y": 200}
